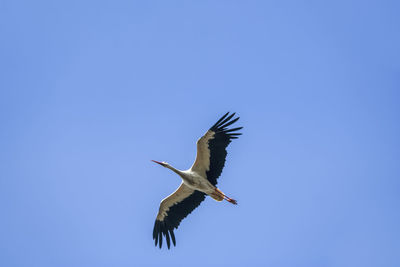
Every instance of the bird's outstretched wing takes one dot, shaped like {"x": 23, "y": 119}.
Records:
{"x": 211, "y": 148}
{"x": 173, "y": 209}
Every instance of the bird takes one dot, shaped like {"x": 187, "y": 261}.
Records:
{"x": 198, "y": 181}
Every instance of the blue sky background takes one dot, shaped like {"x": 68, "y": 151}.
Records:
{"x": 91, "y": 91}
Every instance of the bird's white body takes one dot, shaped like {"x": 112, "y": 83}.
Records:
{"x": 195, "y": 181}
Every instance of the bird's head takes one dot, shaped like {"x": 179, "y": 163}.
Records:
{"x": 164, "y": 164}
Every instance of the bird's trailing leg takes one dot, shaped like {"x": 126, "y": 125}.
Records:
{"x": 219, "y": 196}
{"x": 231, "y": 200}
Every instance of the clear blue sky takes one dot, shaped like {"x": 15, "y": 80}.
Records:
{"x": 91, "y": 91}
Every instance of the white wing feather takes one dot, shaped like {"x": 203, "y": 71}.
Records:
{"x": 180, "y": 194}
{"x": 202, "y": 162}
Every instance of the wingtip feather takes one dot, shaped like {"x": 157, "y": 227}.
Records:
{"x": 221, "y": 119}
{"x": 167, "y": 238}
{"x": 221, "y": 124}
{"x": 171, "y": 231}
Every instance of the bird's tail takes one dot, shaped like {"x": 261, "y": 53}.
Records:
{"x": 218, "y": 195}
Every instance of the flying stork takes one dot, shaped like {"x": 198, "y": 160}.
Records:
{"x": 198, "y": 181}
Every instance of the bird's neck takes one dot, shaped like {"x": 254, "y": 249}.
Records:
{"x": 174, "y": 170}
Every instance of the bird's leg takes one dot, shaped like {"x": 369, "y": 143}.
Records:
{"x": 230, "y": 200}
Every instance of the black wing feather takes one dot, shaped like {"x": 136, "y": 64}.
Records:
{"x": 223, "y": 117}
{"x": 218, "y": 144}
{"x": 175, "y": 215}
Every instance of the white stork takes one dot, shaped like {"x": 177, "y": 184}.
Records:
{"x": 197, "y": 182}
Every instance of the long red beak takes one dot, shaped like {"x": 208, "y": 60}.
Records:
{"x": 157, "y": 162}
